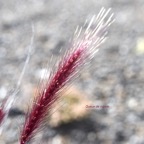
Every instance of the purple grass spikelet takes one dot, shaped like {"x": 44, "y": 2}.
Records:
{"x": 84, "y": 47}
{"x": 10, "y": 99}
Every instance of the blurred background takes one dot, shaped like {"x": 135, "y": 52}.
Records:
{"x": 115, "y": 77}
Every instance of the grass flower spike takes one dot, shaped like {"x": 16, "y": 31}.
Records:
{"x": 85, "y": 45}
{"x": 9, "y": 100}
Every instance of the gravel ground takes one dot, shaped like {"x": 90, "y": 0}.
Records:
{"x": 115, "y": 77}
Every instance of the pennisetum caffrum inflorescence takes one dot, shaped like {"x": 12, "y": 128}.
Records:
{"x": 86, "y": 42}
{"x": 10, "y": 99}
{"x": 85, "y": 45}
